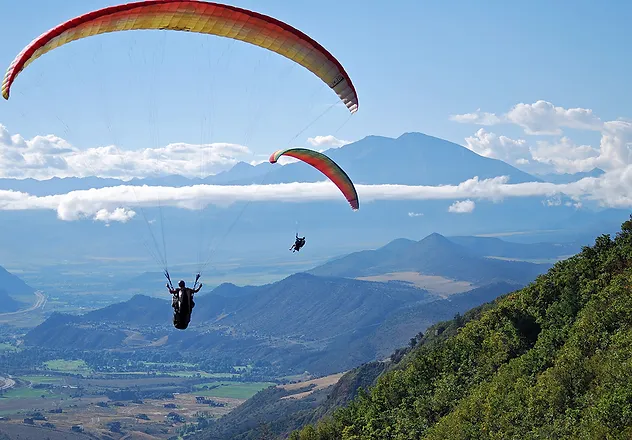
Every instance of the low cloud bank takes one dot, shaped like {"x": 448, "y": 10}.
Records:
{"x": 117, "y": 203}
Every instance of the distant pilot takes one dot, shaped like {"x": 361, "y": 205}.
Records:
{"x": 298, "y": 244}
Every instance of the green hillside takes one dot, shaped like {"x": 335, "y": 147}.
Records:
{"x": 550, "y": 361}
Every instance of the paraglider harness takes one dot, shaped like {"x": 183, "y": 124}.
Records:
{"x": 182, "y": 303}
{"x": 300, "y": 242}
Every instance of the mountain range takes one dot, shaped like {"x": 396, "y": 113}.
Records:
{"x": 460, "y": 252}
{"x": 323, "y": 321}
{"x": 302, "y": 323}
{"x": 255, "y": 231}
{"x": 435, "y": 255}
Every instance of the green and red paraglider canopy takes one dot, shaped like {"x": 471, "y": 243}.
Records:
{"x": 326, "y": 166}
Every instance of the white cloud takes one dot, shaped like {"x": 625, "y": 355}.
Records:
{"x": 576, "y": 205}
{"x": 561, "y": 155}
{"x": 554, "y": 201}
{"x": 256, "y": 162}
{"x": 327, "y": 141}
{"x": 498, "y": 147}
{"x": 542, "y": 117}
{"x": 539, "y": 118}
{"x": 565, "y": 156}
{"x": 616, "y": 144}
{"x": 478, "y": 117}
{"x": 612, "y": 190}
{"x": 415, "y": 214}
{"x": 118, "y": 215}
{"x": 43, "y": 157}
{"x": 462, "y": 207}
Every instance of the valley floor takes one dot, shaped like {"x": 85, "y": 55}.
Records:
{"x": 66, "y": 401}
{"x": 441, "y": 286}
{"x": 148, "y": 405}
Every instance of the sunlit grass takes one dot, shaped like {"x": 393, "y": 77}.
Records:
{"x": 232, "y": 390}
{"x": 64, "y": 366}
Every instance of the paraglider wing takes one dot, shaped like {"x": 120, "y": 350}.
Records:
{"x": 194, "y": 16}
{"x": 326, "y": 166}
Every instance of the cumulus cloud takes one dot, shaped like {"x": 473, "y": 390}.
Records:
{"x": 118, "y": 215}
{"x": 616, "y": 144}
{"x": 561, "y": 155}
{"x": 493, "y": 146}
{"x": 611, "y": 189}
{"x": 565, "y": 156}
{"x": 43, "y": 157}
{"x": 415, "y": 214}
{"x": 539, "y": 118}
{"x": 327, "y": 141}
{"x": 462, "y": 207}
{"x": 542, "y": 117}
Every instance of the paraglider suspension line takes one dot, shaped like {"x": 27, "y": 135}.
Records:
{"x": 166, "y": 272}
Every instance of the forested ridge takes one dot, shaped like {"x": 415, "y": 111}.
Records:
{"x": 553, "y": 360}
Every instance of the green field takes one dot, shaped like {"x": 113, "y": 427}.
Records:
{"x": 184, "y": 374}
{"x": 73, "y": 367}
{"x": 203, "y": 374}
{"x": 232, "y": 390}
{"x": 7, "y": 347}
{"x": 124, "y": 373}
{"x": 160, "y": 364}
{"x": 41, "y": 379}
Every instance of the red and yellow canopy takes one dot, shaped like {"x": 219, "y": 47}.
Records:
{"x": 194, "y": 16}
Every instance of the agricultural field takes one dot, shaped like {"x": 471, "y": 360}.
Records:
{"x": 72, "y": 367}
{"x": 66, "y": 394}
{"x": 232, "y": 390}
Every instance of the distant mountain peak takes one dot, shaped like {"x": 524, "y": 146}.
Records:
{"x": 437, "y": 243}
{"x": 241, "y": 165}
{"x": 397, "y": 244}
{"x": 415, "y": 134}
{"x": 435, "y": 237}
{"x": 225, "y": 285}
{"x": 298, "y": 276}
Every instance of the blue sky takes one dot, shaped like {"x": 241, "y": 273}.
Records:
{"x": 413, "y": 64}
{"x": 541, "y": 85}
